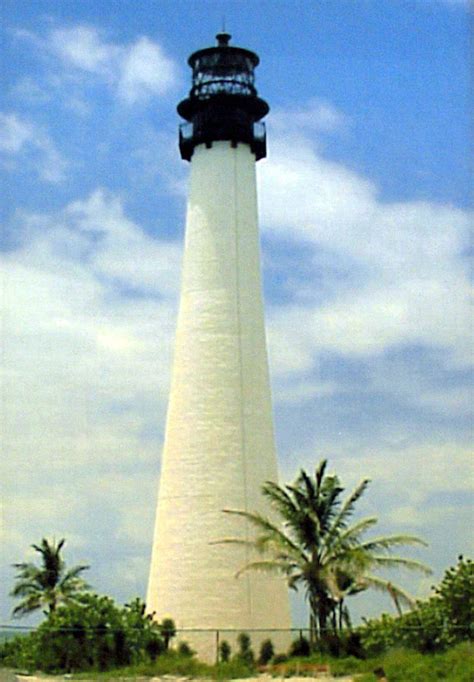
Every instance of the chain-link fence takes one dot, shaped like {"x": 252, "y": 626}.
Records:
{"x": 208, "y": 642}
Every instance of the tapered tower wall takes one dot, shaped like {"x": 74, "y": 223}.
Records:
{"x": 219, "y": 444}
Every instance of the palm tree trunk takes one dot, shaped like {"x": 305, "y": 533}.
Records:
{"x": 314, "y": 620}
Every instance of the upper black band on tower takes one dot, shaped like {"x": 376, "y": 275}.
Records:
{"x": 223, "y": 103}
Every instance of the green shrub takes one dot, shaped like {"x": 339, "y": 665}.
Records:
{"x": 168, "y": 631}
{"x": 224, "y": 651}
{"x": 19, "y": 652}
{"x": 185, "y": 650}
{"x": 456, "y": 593}
{"x": 267, "y": 651}
{"x": 154, "y": 647}
{"x": 300, "y": 647}
{"x": 245, "y": 653}
{"x": 434, "y": 625}
{"x": 280, "y": 658}
{"x": 91, "y": 634}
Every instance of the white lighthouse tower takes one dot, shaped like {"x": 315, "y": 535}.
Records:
{"x": 219, "y": 444}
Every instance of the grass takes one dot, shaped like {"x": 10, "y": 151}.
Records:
{"x": 172, "y": 664}
{"x": 400, "y": 665}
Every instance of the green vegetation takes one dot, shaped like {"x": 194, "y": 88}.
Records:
{"x": 167, "y": 630}
{"x": 88, "y": 634}
{"x": 171, "y": 663}
{"x": 314, "y": 547}
{"x": 267, "y": 652}
{"x": 435, "y": 624}
{"x": 92, "y": 633}
{"x": 224, "y": 651}
{"x": 48, "y": 585}
{"x": 401, "y": 665}
{"x": 245, "y": 653}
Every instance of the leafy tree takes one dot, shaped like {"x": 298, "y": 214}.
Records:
{"x": 312, "y": 544}
{"x": 48, "y": 585}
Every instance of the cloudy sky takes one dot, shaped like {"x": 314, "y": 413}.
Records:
{"x": 365, "y": 212}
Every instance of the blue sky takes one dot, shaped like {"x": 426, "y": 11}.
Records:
{"x": 365, "y": 215}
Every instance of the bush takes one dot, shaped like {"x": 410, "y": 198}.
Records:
{"x": 18, "y": 652}
{"x": 300, "y": 647}
{"x": 168, "y": 631}
{"x": 267, "y": 652}
{"x": 154, "y": 647}
{"x": 280, "y": 658}
{"x": 224, "y": 651}
{"x": 456, "y": 593}
{"x": 245, "y": 653}
{"x": 91, "y": 634}
{"x": 185, "y": 650}
{"x": 434, "y": 625}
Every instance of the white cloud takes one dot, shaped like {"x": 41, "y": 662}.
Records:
{"x": 414, "y": 287}
{"x": 316, "y": 115}
{"x": 145, "y": 70}
{"x": 89, "y": 317}
{"x": 134, "y": 71}
{"x": 14, "y": 133}
{"x": 84, "y": 48}
{"x": 21, "y": 140}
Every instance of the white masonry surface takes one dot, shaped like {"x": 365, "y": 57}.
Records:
{"x": 219, "y": 443}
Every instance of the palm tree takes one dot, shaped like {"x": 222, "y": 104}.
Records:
{"x": 356, "y": 578}
{"x": 48, "y": 585}
{"x": 313, "y": 545}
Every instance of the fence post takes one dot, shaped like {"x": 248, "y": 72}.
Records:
{"x": 217, "y": 647}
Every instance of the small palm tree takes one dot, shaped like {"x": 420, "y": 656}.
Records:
{"x": 48, "y": 585}
{"x": 313, "y": 545}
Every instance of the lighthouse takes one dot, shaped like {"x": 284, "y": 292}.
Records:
{"x": 219, "y": 444}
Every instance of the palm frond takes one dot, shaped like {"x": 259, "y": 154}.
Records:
{"x": 24, "y": 588}
{"x": 387, "y": 587}
{"x": 350, "y": 536}
{"x": 386, "y": 542}
{"x": 347, "y": 508}
{"x": 271, "y": 532}
{"x": 400, "y": 562}
{"x": 304, "y": 481}
{"x": 73, "y": 573}
{"x": 319, "y": 473}
{"x": 26, "y": 606}
{"x": 280, "y": 498}
{"x": 269, "y": 566}
{"x": 234, "y": 541}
